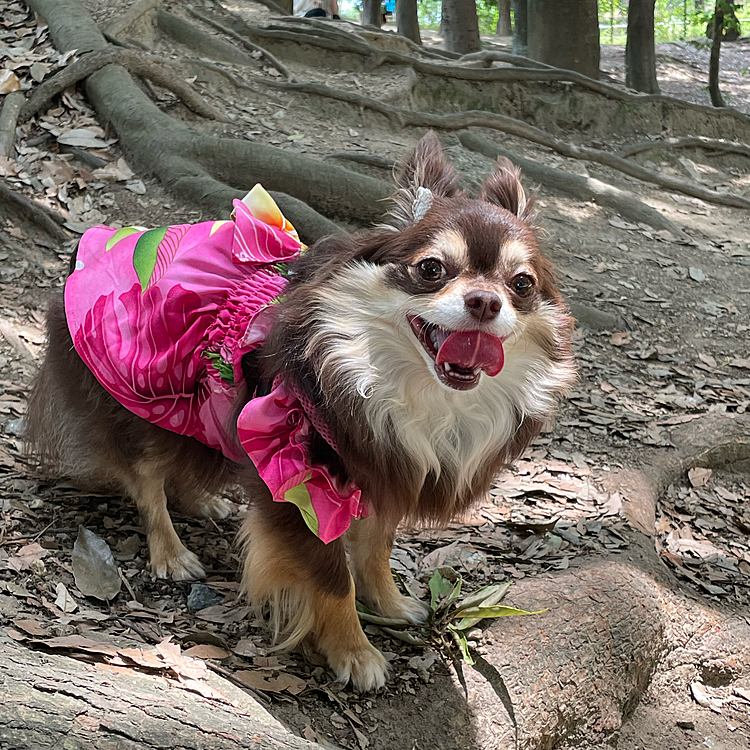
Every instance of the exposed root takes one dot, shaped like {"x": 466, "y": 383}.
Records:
{"x": 370, "y": 160}
{"x": 710, "y": 144}
{"x": 41, "y": 216}
{"x": 9, "y": 114}
{"x": 519, "y": 129}
{"x": 582, "y": 188}
{"x": 241, "y": 40}
{"x": 147, "y": 66}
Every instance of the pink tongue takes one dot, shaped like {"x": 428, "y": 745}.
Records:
{"x": 472, "y": 350}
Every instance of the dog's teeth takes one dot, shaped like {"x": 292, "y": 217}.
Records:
{"x": 433, "y": 337}
{"x": 446, "y": 367}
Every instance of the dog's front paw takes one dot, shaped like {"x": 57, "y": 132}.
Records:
{"x": 215, "y": 507}
{"x": 366, "y": 668}
{"x": 181, "y": 565}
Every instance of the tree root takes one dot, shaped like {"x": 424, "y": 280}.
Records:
{"x": 519, "y": 129}
{"x": 487, "y": 57}
{"x": 146, "y": 66}
{"x": 535, "y": 73}
{"x": 131, "y": 15}
{"x": 244, "y": 42}
{"x": 581, "y": 188}
{"x": 476, "y": 118}
{"x": 39, "y": 215}
{"x": 205, "y": 168}
{"x": 374, "y": 57}
{"x": 370, "y": 160}
{"x": 710, "y": 144}
{"x": 9, "y": 114}
{"x": 328, "y": 29}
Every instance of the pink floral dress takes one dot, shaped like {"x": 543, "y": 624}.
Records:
{"x": 162, "y": 317}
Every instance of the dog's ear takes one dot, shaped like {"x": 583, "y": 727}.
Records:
{"x": 504, "y": 189}
{"x": 424, "y": 175}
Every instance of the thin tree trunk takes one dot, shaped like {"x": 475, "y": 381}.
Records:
{"x": 640, "y": 53}
{"x": 520, "y": 26}
{"x": 461, "y": 26}
{"x": 407, "y": 21}
{"x": 565, "y": 33}
{"x": 713, "y": 66}
{"x": 503, "y": 27}
{"x": 371, "y": 13}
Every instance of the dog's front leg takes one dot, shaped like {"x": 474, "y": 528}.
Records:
{"x": 370, "y": 543}
{"x": 310, "y": 591}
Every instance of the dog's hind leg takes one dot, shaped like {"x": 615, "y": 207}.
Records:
{"x": 310, "y": 591}
{"x": 169, "y": 557}
{"x": 370, "y": 542}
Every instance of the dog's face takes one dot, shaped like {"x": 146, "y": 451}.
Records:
{"x": 476, "y": 286}
{"x": 450, "y": 301}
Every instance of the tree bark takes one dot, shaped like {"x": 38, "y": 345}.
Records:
{"x": 713, "y": 66}
{"x": 461, "y": 26}
{"x": 49, "y": 700}
{"x": 407, "y": 21}
{"x": 565, "y": 33}
{"x": 503, "y": 27}
{"x": 640, "y": 53}
{"x": 9, "y": 114}
{"x": 520, "y": 28}
{"x": 371, "y": 13}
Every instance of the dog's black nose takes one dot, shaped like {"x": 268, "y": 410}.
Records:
{"x": 483, "y": 305}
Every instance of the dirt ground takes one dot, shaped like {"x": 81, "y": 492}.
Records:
{"x": 671, "y": 347}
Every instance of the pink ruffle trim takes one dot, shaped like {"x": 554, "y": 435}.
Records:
{"x": 275, "y": 432}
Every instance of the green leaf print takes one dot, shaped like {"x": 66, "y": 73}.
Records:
{"x": 144, "y": 255}
{"x": 300, "y": 496}
{"x": 225, "y": 370}
{"x": 120, "y": 234}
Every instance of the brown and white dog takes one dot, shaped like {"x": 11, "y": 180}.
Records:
{"x": 423, "y": 419}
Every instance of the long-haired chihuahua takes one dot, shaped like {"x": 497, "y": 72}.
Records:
{"x": 386, "y": 376}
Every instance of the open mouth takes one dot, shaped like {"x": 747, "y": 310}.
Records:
{"x": 460, "y": 356}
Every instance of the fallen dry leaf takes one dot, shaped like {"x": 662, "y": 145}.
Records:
{"x": 32, "y": 627}
{"x": 8, "y": 82}
{"x": 94, "y": 567}
{"x": 620, "y": 338}
{"x": 64, "y": 600}
{"x": 699, "y": 476}
{"x": 262, "y": 680}
{"x": 206, "y": 651}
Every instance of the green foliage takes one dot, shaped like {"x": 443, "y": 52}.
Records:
{"x": 673, "y": 19}
{"x": 452, "y": 617}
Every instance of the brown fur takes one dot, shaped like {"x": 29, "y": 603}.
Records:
{"x": 80, "y": 430}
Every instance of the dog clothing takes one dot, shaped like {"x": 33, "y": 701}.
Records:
{"x": 162, "y": 318}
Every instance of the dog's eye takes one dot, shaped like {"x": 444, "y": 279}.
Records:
{"x": 431, "y": 269}
{"x": 522, "y": 284}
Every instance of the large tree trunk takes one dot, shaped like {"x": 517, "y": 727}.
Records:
{"x": 407, "y": 21}
{"x": 461, "y": 26}
{"x": 520, "y": 27}
{"x": 565, "y": 33}
{"x": 640, "y": 54}
{"x": 371, "y": 13}
{"x": 713, "y": 66}
{"x": 503, "y": 27}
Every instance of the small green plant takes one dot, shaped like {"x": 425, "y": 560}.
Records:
{"x": 448, "y": 630}
{"x": 452, "y": 616}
